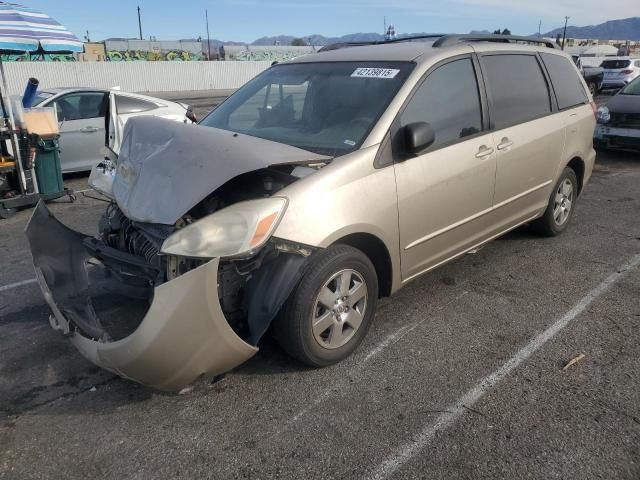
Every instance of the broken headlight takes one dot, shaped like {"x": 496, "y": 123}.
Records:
{"x": 239, "y": 229}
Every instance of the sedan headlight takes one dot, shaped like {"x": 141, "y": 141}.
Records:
{"x": 603, "y": 115}
{"x": 236, "y": 230}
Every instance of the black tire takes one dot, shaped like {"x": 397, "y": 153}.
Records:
{"x": 293, "y": 326}
{"x": 7, "y": 212}
{"x": 547, "y": 225}
{"x": 593, "y": 88}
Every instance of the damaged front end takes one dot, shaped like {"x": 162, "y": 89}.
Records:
{"x": 208, "y": 277}
{"x": 203, "y": 318}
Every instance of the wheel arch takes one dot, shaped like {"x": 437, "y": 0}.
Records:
{"x": 578, "y": 166}
{"x": 377, "y": 251}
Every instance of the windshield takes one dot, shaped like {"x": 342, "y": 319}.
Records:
{"x": 41, "y": 97}
{"x": 632, "y": 89}
{"x": 326, "y": 108}
{"x": 615, "y": 64}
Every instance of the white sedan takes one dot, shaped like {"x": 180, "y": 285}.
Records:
{"x": 83, "y": 113}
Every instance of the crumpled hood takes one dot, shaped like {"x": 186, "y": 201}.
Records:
{"x": 165, "y": 168}
{"x": 624, "y": 104}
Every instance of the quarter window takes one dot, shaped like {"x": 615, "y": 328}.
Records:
{"x": 125, "y": 105}
{"x": 565, "y": 80}
{"x": 519, "y": 91}
{"x": 449, "y": 101}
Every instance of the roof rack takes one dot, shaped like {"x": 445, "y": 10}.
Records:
{"x": 444, "y": 40}
{"x": 337, "y": 46}
{"x": 447, "y": 40}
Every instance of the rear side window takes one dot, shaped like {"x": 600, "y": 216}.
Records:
{"x": 126, "y": 105}
{"x": 565, "y": 80}
{"x": 519, "y": 91}
{"x": 449, "y": 101}
{"x": 615, "y": 64}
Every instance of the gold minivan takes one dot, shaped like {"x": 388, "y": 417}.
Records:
{"x": 321, "y": 185}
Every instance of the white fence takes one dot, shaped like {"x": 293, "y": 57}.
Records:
{"x": 134, "y": 76}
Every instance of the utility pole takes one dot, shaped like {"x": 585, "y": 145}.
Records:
{"x": 206, "y": 14}
{"x": 384, "y": 30}
{"x": 564, "y": 33}
{"x": 540, "y": 28}
{"x": 139, "y": 23}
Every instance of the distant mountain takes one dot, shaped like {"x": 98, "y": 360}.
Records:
{"x": 625, "y": 29}
{"x": 322, "y": 40}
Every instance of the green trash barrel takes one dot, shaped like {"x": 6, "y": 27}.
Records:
{"x": 48, "y": 170}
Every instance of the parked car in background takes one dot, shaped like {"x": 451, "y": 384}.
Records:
{"x": 620, "y": 71}
{"x": 593, "y": 76}
{"x": 81, "y": 113}
{"x": 619, "y": 120}
{"x": 321, "y": 185}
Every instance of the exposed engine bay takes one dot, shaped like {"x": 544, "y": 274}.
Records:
{"x": 131, "y": 250}
{"x": 185, "y": 275}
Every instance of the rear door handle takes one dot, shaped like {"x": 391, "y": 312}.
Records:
{"x": 504, "y": 144}
{"x": 89, "y": 129}
{"x": 484, "y": 151}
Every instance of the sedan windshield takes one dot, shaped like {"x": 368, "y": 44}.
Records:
{"x": 632, "y": 89}
{"x": 41, "y": 97}
{"x": 326, "y": 108}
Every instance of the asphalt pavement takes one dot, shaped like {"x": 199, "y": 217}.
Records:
{"x": 461, "y": 376}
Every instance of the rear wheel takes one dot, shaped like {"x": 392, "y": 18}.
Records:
{"x": 593, "y": 88}
{"x": 330, "y": 311}
{"x": 560, "y": 207}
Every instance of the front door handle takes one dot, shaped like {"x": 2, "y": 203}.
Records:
{"x": 484, "y": 151}
{"x": 89, "y": 129}
{"x": 504, "y": 144}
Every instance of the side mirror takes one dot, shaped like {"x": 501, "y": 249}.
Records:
{"x": 417, "y": 137}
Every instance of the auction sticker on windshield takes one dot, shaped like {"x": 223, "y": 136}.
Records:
{"x": 369, "y": 72}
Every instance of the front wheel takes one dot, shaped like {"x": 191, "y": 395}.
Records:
{"x": 560, "y": 208}
{"x": 593, "y": 88}
{"x": 330, "y": 311}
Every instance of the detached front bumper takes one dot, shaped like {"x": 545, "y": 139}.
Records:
{"x": 183, "y": 336}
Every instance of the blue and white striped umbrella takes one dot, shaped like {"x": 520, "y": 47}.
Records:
{"x": 24, "y": 29}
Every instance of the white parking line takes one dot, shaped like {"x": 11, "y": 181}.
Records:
{"x": 17, "y": 284}
{"x": 455, "y": 411}
{"x": 377, "y": 350}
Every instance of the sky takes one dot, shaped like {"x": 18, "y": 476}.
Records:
{"x": 247, "y": 20}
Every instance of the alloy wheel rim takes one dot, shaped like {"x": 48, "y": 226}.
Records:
{"x": 563, "y": 202}
{"x": 339, "y": 309}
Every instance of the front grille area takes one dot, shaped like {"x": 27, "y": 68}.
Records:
{"x": 624, "y": 142}
{"x": 625, "y": 120}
